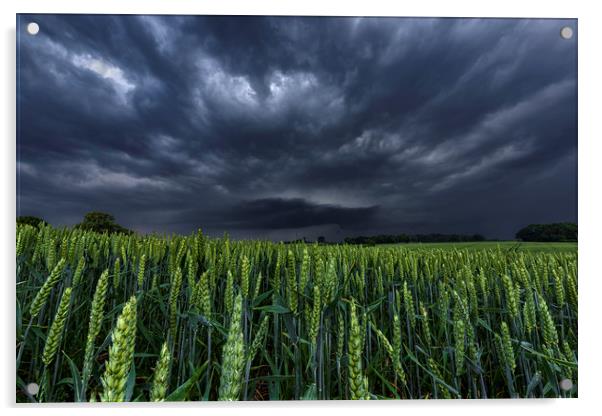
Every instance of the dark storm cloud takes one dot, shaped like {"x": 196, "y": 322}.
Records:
{"x": 277, "y": 213}
{"x": 271, "y": 126}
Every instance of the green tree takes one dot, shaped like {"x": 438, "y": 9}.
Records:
{"x": 562, "y": 231}
{"x": 30, "y": 220}
{"x": 101, "y": 222}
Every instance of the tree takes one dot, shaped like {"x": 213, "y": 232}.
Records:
{"x": 101, "y": 222}
{"x": 562, "y": 231}
{"x": 321, "y": 239}
{"x": 31, "y": 220}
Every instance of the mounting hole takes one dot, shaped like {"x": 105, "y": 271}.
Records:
{"x": 33, "y": 28}
{"x": 566, "y": 32}
{"x": 32, "y": 388}
{"x": 566, "y": 384}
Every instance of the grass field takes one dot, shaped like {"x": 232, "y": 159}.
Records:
{"x": 503, "y": 245}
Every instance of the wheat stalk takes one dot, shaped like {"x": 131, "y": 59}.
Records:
{"x": 121, "y": 354}
{"x": 55, "y": 334}
{"x": 233, "y": 356}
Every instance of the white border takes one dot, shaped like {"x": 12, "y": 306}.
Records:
{"x": 590, "y": 70}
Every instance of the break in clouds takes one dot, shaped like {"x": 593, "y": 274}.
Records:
{"x": 284, "y": 127}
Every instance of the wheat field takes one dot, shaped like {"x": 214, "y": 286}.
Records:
{"x": 151, "y": 318}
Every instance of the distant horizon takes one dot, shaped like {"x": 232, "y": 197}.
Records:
{"x": 305, "y": 237}
{"x": 279, "y": 128}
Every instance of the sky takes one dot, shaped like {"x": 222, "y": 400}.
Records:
{"x": 288, "y": 127}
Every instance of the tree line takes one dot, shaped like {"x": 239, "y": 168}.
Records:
{"x": 101, "y": 222}
{"x": 560, "y": 231}
{"x": 414, "y": 238}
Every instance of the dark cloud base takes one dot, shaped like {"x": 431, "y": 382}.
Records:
{"x": 277, "y": 127}
{"x": 277, "y": 213}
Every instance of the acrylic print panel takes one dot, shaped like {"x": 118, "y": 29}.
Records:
{"x": 282, "y": 208}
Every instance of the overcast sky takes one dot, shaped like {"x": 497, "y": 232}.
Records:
{"x": 284, "y": 127}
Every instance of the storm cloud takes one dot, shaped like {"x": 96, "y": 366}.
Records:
{"x": 281, "y": 127}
